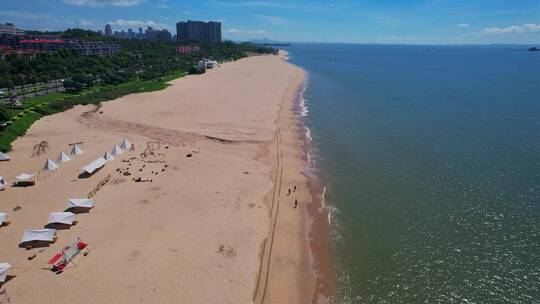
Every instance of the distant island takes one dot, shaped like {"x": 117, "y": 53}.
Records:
{"x": 268, "y": 42}
{"x": 534, "y": 49}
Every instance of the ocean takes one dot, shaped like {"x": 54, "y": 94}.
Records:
{"x": 430, "y": 161}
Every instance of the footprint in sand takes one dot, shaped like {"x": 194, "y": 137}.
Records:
{"x": 134, "y": 255}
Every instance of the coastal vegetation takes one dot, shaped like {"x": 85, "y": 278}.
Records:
{"x": 141, "y": 66}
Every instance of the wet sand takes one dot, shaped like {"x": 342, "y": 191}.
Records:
{"x": 216, "y": 227}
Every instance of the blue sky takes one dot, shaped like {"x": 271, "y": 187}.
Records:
{"x": 375, "y": 21}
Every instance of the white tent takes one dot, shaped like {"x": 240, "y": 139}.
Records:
{"x": 50, "y": 166}
{"x": 95, "y": 165}
{"x": 116, "y": 150}
{"x": 80, "y": 203}
{"x": 125, "y": 144}
{"x": 108, "y": 156}
{"x": 3, "y": 157}
{"x": 3, "y": 218}
{"x": 63, "y": 158}
{"x": 25, "y": 177}
{"x": 61, "y": 218}
{"x": 46, "y": 235}
{"x": 4, "y": 270}
{"x": 3, "y": 182}
{"x": 75, "y": 150}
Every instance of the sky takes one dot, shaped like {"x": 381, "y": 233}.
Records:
{"x": 360, "y": 21}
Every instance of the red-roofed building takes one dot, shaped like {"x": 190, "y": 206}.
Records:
{"x": 187, "y": 49}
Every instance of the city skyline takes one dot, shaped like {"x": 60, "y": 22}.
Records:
{"x": 416, "y": 22}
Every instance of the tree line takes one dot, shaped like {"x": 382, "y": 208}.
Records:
{"x": 137, "y": 60}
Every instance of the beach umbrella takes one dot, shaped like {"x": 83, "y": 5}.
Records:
{"x": 76, "y": 151}
{"x": 108, "y": 156}
{"x": 116, "y": 150}
{"x": 3, "y": 157}
{"x": 50, "y": 166}
{"x": 125, "y": 144}
{"x": 62, "y": 158}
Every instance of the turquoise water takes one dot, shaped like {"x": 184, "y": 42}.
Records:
{"x": 430, "y": 156}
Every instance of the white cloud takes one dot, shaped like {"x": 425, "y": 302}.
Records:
{"x": 524, "y": 28}
{"x": 103, "y": 2}
{"x": 164, "y": 6}
{"x": 271, "y": 4}
{"x": 242, "y": 31}
{"x": 86, "y": 23}
{"x": 121, "y": 23}
{"x": 275, "y": 20}
{"x": 462, "y": 25}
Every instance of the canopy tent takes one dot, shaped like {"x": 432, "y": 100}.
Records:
{"x": 4, "y": 157}
{"x": 25, "y": 179}
{"x": 3, "y": 182}
{"x": 3, "y": 218}
{"x": 116, "y": 150}
{"x": 125, "y": 144}
{"x": 63, "y": 158}
{"x": 80, "y": 203}
{"x": 61, "y": 218}
{"x": 4, "y": 270}
{"x": 108, "y": 156}
{"x": 75, "y": 150}
{"x": 44, "y": 235}
{"x": 50, "y": 166}
{"x": 95, "y": 165}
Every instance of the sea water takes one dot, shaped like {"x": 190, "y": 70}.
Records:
{"x": 430, "y": 161}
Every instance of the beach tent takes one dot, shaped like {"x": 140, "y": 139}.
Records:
{"x": 50, "y": 166}
{"x": 3, "y": 218}
{"x": 108, "y": 156}
{"x": 25, "y": 179}
{"x": 3, "y": 157}
{"x": 44, "y": 235}
{"x": 3, "y": 182}
{"x": 94, "y": 166}
{"x": 125, "y": 144}
{"x": 75, "y": 150}
{"x": 116, "y": 150}
{"x": 80, "y": 203}
{"x": 61, "y": 218}
{"x": 63, "y": 158}
{"x": 4, "y": 270}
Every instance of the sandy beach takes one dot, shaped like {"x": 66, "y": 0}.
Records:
{"x": 216, "y": 227}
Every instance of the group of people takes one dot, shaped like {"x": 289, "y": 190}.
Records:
{"x": 295, "y": 200}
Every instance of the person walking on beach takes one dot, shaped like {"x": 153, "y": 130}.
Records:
{"x": 295, "y": 203}
{"x": 289, "y": 192}
{"x": 294, "y": 190}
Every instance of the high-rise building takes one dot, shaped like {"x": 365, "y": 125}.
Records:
{"x": 199, "y": 30}
{"x": 108, "y": 30}
{"x": 140, "y": 31}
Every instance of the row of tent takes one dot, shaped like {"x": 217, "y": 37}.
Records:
{"x": 47, "y": 234}
{"x": 27, "y": 178}
{"x": 73, "y": 205}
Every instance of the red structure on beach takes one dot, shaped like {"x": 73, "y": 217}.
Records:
{"x": 187, "y": 49}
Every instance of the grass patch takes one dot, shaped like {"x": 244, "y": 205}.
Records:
{"x": 34, "y": 108}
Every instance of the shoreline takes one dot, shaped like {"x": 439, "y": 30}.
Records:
{"x": 308, "y": 261}
{"x": 318, "y": 229}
